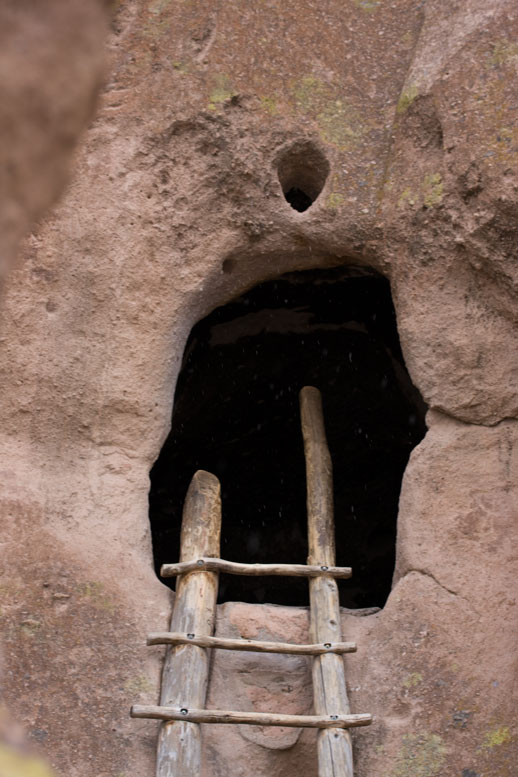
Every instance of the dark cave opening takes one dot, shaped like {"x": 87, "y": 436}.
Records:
{"x": 236, "y": 414}
{"x": 298, "y": 199}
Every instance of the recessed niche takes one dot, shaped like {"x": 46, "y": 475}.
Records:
{"x": 302, "y": 170}
{"x": 236, "y": 414}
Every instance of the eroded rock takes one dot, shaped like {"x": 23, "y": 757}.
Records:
{"x": 176, "y": 208}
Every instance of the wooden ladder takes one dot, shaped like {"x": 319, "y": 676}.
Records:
{"x": 186, "y": 669}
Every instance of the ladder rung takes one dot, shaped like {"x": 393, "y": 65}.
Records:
{"x": 234, "y": 568}
{"x": 174, "y": 638}
{"x": 250, "y": 718}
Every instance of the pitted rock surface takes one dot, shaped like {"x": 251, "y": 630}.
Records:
{"x": 175, "y": 208}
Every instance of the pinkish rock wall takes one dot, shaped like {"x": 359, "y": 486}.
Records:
{"x": 50, "y": 73}
{"x": 175, "y": 208}
{"x": 51, "y": 56}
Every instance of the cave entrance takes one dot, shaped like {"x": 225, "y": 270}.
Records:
{"x": 236, "y": 415}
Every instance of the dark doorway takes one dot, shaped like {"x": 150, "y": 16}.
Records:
{"x": 236, "y": 415}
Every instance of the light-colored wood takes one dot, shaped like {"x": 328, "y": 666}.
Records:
{"x": 329, "y": 690}
{"x": 170, "y": 638}
{"x": 235, "y": 568}
{"x": 335, "y": 722}
{"x": 186, "y": 668}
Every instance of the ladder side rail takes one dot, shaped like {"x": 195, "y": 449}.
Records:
{"x": 186, "y": 667}
{"x": 329, "y": 688}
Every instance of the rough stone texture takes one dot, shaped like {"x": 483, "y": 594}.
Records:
{"x": 176, "y": 208}
{"x": 50, "y": 73}
{"x": 51, "y": 55}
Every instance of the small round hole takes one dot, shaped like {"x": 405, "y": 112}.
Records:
{"x": 302, "y": 171}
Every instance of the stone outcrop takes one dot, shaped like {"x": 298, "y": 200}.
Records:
{"x": 176, "y": 207}
{"x": 50, "y": 74}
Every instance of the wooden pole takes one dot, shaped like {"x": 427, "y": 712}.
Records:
{"x": 235, "y": 568}
{"x": 251, "y": 718}
{"x": 329, "y": 690}
{"x": 250, "y": 645}
{"x": 186, "y": 668}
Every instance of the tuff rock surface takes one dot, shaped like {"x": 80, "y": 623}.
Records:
{"x": 50, "y": 73}
{"x": 175, "y": 208}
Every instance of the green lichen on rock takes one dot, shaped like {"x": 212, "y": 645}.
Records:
{"x": 269, "y": 104}
{"x": 335, "y": 200}
{"x": 432, "y": 190}
{"x": 16, "y": 764}
{"x": 157, "y": 23}
{"x": 309, "y": 93}
{"x": 95, "y": 592}
{"x": 504, "y": 143}
{"x": 406, "y": 98}
{"x": 182, "y": 67}
{"x": 413, "y": 679}
{"x": 368, "y": 5}
{"x": 137, "y": 685}
{"x": 406, "y": 197}
{"x": 157, "y": 6}
{"x": 496, "y": 737}
{"x": 338, "y": 121}
{"x": 503, "y": 51}
{"x": 221, "y": 91}
{"x": 30, "y": 627}
{"x": 422, "y": 755}
{"x": 339, "y": 124}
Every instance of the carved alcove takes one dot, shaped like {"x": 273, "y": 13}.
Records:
{"x": 236, "y": 415}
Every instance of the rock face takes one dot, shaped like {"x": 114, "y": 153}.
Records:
{"x": 50, "y": 74}
{"x": 397, "y": 122}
